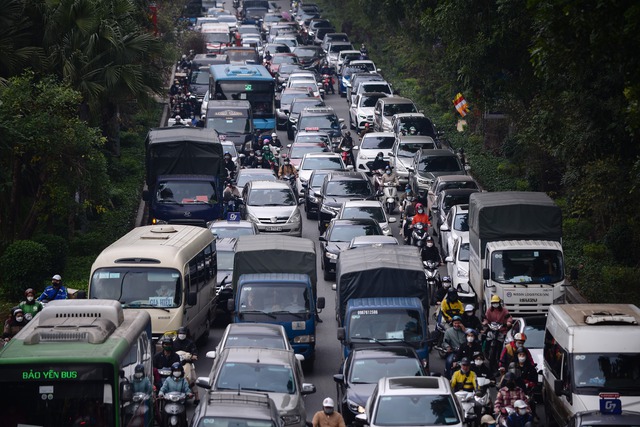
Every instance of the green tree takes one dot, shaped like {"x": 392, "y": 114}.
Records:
{"x": 16, "y": 49}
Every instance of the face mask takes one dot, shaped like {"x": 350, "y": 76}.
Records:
{"x": 470, "y": 339}
{"x": 183, "y": 336}
{"x": 287, "y": 163}
{"x": 19, "y": 319}
{"x": 379, "y": 158}
{"x": 29, "y": 298}
{"x": 251, "y": 154}
{"x": 495, "y": 305}
{"x": 388, "y": 172}
{"x": 420, "y": 211}
{"x": 522, "y": 411}
{"x": 464, "y": 369}
{"x": 176, "y": 374}
{"x": 259, "y": 157}
{"x": 139, "y": 375}
{"x": 429, "y": 245}
{"x": 478, "y": 362}
{"x": 167, "y": 348}
{"x": 522, "y": 359}
{"x": 328, "y": 411}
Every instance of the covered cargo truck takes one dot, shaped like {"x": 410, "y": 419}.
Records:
{"x": 516, "y": 250}
{"x": 376, "y": 272}
{"x": 184, "y": 174}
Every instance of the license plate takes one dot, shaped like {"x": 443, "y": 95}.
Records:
{"x": 274, "y": 228}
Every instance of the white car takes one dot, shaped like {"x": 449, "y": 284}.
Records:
{"x": 371, "y": 144}
{"x": 361, "y": 109}
{"x": 304, "y": 84}
{"x": 318, "y": 161}
{"x": 403, "y": 152}
{"x": 364, "y": 209}
{"x": 455, "y": 226}
{"x": 347, "y": 55}
{"x": 458, "y": 264}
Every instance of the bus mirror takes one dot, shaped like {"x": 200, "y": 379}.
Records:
{"x": 126, "y": 391}
{"x": 192, "y": 298}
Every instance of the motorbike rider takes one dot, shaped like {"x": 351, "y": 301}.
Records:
{"x": 229, "y": 165}
{"x": 183, "y": 343}
{"x": 230, "y": 191}
{"x": 140, "y": 382}
{"x": 378, "y": 163}
{"x": 364, "y": 52}
{"x": 268, "y": 57}
{"x": 268, "y": 154}
{"x": 367, "y": 129}
{"x": 524, "y": 369}
{"x": 509, "y": 355}
{"x": 14, "y": 324}
{"x": 464, "y": 378}
{"x": 329, "y": 71}
{"x": 166, "y": 357}
{"x": 407, "y": 209}
{"x": 327, "y": 417}
{"x": 347, "y": 144}
{"x": 497, "y": 313}
{"x": 177, "y": 382}
{"x": 30, "y": 307}
{"x": 251, "y": 161}
{"x": 55, "y": 291}
{"x": 507, "y": 395}
{"x": 521, "y": 417}
{"x": 275, "y": 141}
{"x": 469, "y": 348}
{"x": 261, "y": 161}
{"x": 469, "y": 319}
{"x": 390, "y": 176}
{"x": 480, "y": 367}
{"x": 202, "y": 122}
{"x": 451, "y": 306}
{"x": 287, "y": 169}
{"x": 420, "y": 216}
{"x": 453, "y": 339}
{"x": 441, "y": 293}
{"x": 430, "y": 252}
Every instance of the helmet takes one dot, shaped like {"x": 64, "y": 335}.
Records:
{"x": 412, "y": 129}
{"x": 452, "y": 295}
{"x": 419, "y": 206}
{"x": 226, "y": 153}
{"x": 446, "y": 279}
{"x": 520, "y": 404}
{"x": 522, "y": 350}
{"x": 139, "y": 368}
{"x": 520, "y": 336}
{"x": 380, "y": 154}
{"x": 469, "y": 307}
{"x": 367, "y": 125}
{"x": 182, "y": 329}
{"x": 274, "y": 135}
{"x": 15, "y": 311}
{"x": 56, "y": 277}
{"x": 266, "y": 140}
{"x": 258, "y": 153}
{"x": 429, "y": 239}
{"x": 471, "y": 331}
{"x": 478, "y": 354}
{"x": 29, "y": 291}
{"x": 266, "y": 147}
{"x": 328, "y": 403}
{"x": 347, "y": 133}
{"x": 454, "y": 318}
{"x": 167, "y": 342}
{"x": 177, "y": 366}
{"x": 464, "y": 361}
{"x": 509, "y": 376}
{"x": 487, "y": 419}
{"x": 495, "y": 298}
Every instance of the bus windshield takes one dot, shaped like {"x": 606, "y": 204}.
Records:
{"x": 230, "y": 125}
{"x": 135, "y": 287}
{"x": 55, "y": 395}
{"x": 261, "y": 95}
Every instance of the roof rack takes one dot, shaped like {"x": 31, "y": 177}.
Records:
{"x": 607, "y": 318}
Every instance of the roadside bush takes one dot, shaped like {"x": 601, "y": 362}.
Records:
{"x": 622, "y": 241}
{"x": 24, "y": 264}
{"x": 58, "y": 250}
{"x": 620, "y": 285}
{"x": 88, "y": 243}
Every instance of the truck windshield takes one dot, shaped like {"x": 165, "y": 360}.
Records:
{"x": 527, "y": 266}
{"x": 615, "y": 372}
{"x": 385, "y": 325}
{"x": 186, "y": 192}
{"x": 232, "y": 124}
{"x": 273, "y": 298}
{"x": 138, "y": 286}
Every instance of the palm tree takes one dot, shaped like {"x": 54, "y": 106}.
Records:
{"x": 16, "y": 50}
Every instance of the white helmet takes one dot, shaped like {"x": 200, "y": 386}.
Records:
{"x": 327, "y": 403}
{"x": 520, "y": 404}
{"x": 274, "y": 135}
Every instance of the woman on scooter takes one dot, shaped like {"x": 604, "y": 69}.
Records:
{"x": 420, "y": 216}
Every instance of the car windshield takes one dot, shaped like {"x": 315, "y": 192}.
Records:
{"x": 422, "y": 125}
{"x": 454, "y": 199}
{"x": 369, "y": 101}
{"x": 527, "y": 266}
{"x": 608, "y": 371}
{"x": 364, "y": 212}
{"x": 243, "y": 179}
{"x": 298, "y": 151}
{"x": 410, "y": 149}
{"x": 288, "y": 68}
{"x": 271, "y": 197}
{"x": 535, "y": 335}
{"x": 287, "y": 98}
{"x": 391, "y": 109}
{"x": 256, "y": 377}
{"x": 461, "y": 222}
{"x": 377, "y": 143}
{"x": 283, "y": 300}
{"x": 209, "y": 421}
{"x": 317, "y": 179}
{"x": 254, "y": 340}
{"x": 439, "y": 164}
{"x": 416, "y": 410}
{"x": 348, "y": 188}
{"x": 344, "y": 233}
{"x": 463, "y": 255}
{"x": 458, "y": 184}
{"x": 186, "y": 192}
{"x": 328, "y": 121}
{"x": 328, "y": 163}
{"x": 369, "y": 371}
{"x": 225, "y": 260}
{"x": 336, "y": 48}
{"x": 307, "y": 52}
{"x": 385, "y": 325}
{"x": 297, "y": 107}
{"x": 285, "y": 59}
{"x": 222, "y": 232}
{"x": 217, "y": 38}
{"x": 200, "y": 77}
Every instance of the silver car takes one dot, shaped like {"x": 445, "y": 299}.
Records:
{"x": 273, "y": 207}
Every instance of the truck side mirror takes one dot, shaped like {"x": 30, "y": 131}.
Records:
{"x": 485, "y": 274}
{"x": 231, "y": 305}
{"x": 321, "y": 302}
{"x": 341, "y": 337}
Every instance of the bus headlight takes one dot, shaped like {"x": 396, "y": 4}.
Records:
{"x": 304, "y": 339}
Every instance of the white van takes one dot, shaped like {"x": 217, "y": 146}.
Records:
{"x": 591, "y": 352}
{"x": 168, "y": 270}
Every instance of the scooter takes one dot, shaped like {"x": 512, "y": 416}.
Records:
{"x": 137, "y": 409}
{"x": 482, "y": 397}
{"x": 419, "y": 235}
{"x": 172, "y": 408}
{"x": 345, "y": 152}
{"x": 390, "y": 197}
{"x": 291, "y": 180}
{"x": 468, "y": 403}
{"x": 433, "y": 277}
{"x": 327, "y": 83}
{"x": 494, "y": 341}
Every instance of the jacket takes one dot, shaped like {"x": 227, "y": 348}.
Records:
{"x": 517, "y": 420}
{"x": 450, "y": 309}
{"x": 287, "y": 170}
{"x": 30, "y": 309}
{"x": 170, "y": 384}
{"x": 509, "y": 355}
{"x": 506, "y": 397}
{"x": 52, "y": 293}
{"x": 454, "y": 338}
{"x": 499, "y": 315}
{"x": 462, "y": 381}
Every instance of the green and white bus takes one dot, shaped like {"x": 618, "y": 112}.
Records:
{"x": 73, "y": 365}
{"x": 168, "y": 270}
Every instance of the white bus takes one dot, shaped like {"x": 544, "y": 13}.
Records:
{"x": 169, "y": 270}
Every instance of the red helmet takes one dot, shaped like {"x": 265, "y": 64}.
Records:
{"x": 419, "y": 205}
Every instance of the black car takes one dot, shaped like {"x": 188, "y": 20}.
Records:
{"x": 283, "y": 102}
{"x": 428, "y": 164}
{"x": 309, "y": 188}
{"x": 338, "y": 237}
{"x": 446, "y": 199}
{"x": 364, "y": 367}
{"x": 337, "y": 188}
{"x": 310, "y": 56}
{"x": 296, "y": 108}
{"x": 323, "y": 119}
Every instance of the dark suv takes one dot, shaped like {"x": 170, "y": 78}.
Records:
{"x": 428, "y": 164}
{"x": 321, "y": 119}
{"x": 338, "y": 187}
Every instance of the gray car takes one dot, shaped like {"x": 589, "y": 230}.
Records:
{"x": 273, "y": 207}
{"x": 428, "y": 165}
{"x": 237, "y": 408}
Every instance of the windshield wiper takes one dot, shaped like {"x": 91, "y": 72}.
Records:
{"x": 298, "y": 315}
{"x": 143, "y": 305}
{"x": 242, "y": 313}
{"x": 371, "y": 339}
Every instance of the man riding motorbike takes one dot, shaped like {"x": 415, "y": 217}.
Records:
{"x": 453, "y": 339}
{"x": 347, "y": 144}
{"x": 451, "y": 306}
{"x": 367, "y": 129}
{"x": 430, "y": 251}
{"x": 287, "y": 169}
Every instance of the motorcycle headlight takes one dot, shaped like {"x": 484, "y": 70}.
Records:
{"x": 304, "y": 339}
{"x": 332, "y": 255}
{"x": 313, "y": 199}
{"x": 290, "y": 419}
{"x": 463, "y": 274}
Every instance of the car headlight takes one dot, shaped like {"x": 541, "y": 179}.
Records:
{"x": 463, "y": 274}
{"x": 422, "y": 180}
{"x": 295, "y": 217}
{"x": 332, "y": 255}
{"x": 313, "y": 199}
{"x": 354, "y": 407}
{"x": 304, "y": 339}
{"x": 253, "y": 218}
{"x": 362, "y": 117}
{"x": 290, "y": 419}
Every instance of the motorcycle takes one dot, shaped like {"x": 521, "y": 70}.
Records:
{"x": 291, "y": 180}
{"x": 494, "y": 340}
{"x": 419, "y": 235}
{"x": 345, "y": 152}
{"x": 468, "y": 403}
{"x": 437, "y": 336}
{"x": 482, "y": 397}
{"x": 433, "y": 277}
{"x": 327, "y": 83}
{"x": 138, "y": 409}
{"x": 390, "y": 196}
{"x": 164, "y": 373}
{"x": 172, "y": 408}
{"x": 234, "y": 204}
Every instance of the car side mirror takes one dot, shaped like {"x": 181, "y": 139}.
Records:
{"x": 448, "y": 259}
{"x": 322, "y": 238}
{"x": 211, "y": 354}
{"x": 307, "y": 388}
{"x": 338, "y": 378}
{"x": 444, "y": 227}
{"x": 341, "y": 336}
{"x": 203, "y": 382}
{"x": 392, "y": 219}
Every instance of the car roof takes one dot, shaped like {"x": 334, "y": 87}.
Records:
{"x": 242, "y": 404}
{"x": 362, "y": 204}
{"x": 307, "y": 144}
{"x": 318, "y": 110}
{"x": 256, "y": 171}
{"x": 256, "y": 328}
{"x": 381, "y": 94}
{"x": 268, "y": 185}
{"x": 413, "y": 385}
{"x": 376, "y": 240}
{"x": 408, "y": 115}
{"x": 378, "y": 135}
{"x": 384, "y": 352}
{"x": 263, "y": 355}
{"x": 397, "y": 100}
{"x": 347, "y": 176}
{"x": 459, "y": 209}
{"x": 413, "y": 139}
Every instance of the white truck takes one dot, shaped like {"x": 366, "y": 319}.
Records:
{"x": 516, "y": 250}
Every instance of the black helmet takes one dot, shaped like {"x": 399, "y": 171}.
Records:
{"x": 139, "y": 368}
{"x": 452, "y": 295}
{"x": 177, "y": 366}
{"x": 509, "y": 376}
{"x": 167, "y": 343}
{"x": 182, "y": 329}
{"x": 380, "y": 154}
{"x": 429, "y": 239}
{"x": 226, "y": 153}
{"x": 464, "y": 361}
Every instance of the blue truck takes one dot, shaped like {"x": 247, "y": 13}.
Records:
{"x": 391, "y": 320}
{"x": 281, "y": 271}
